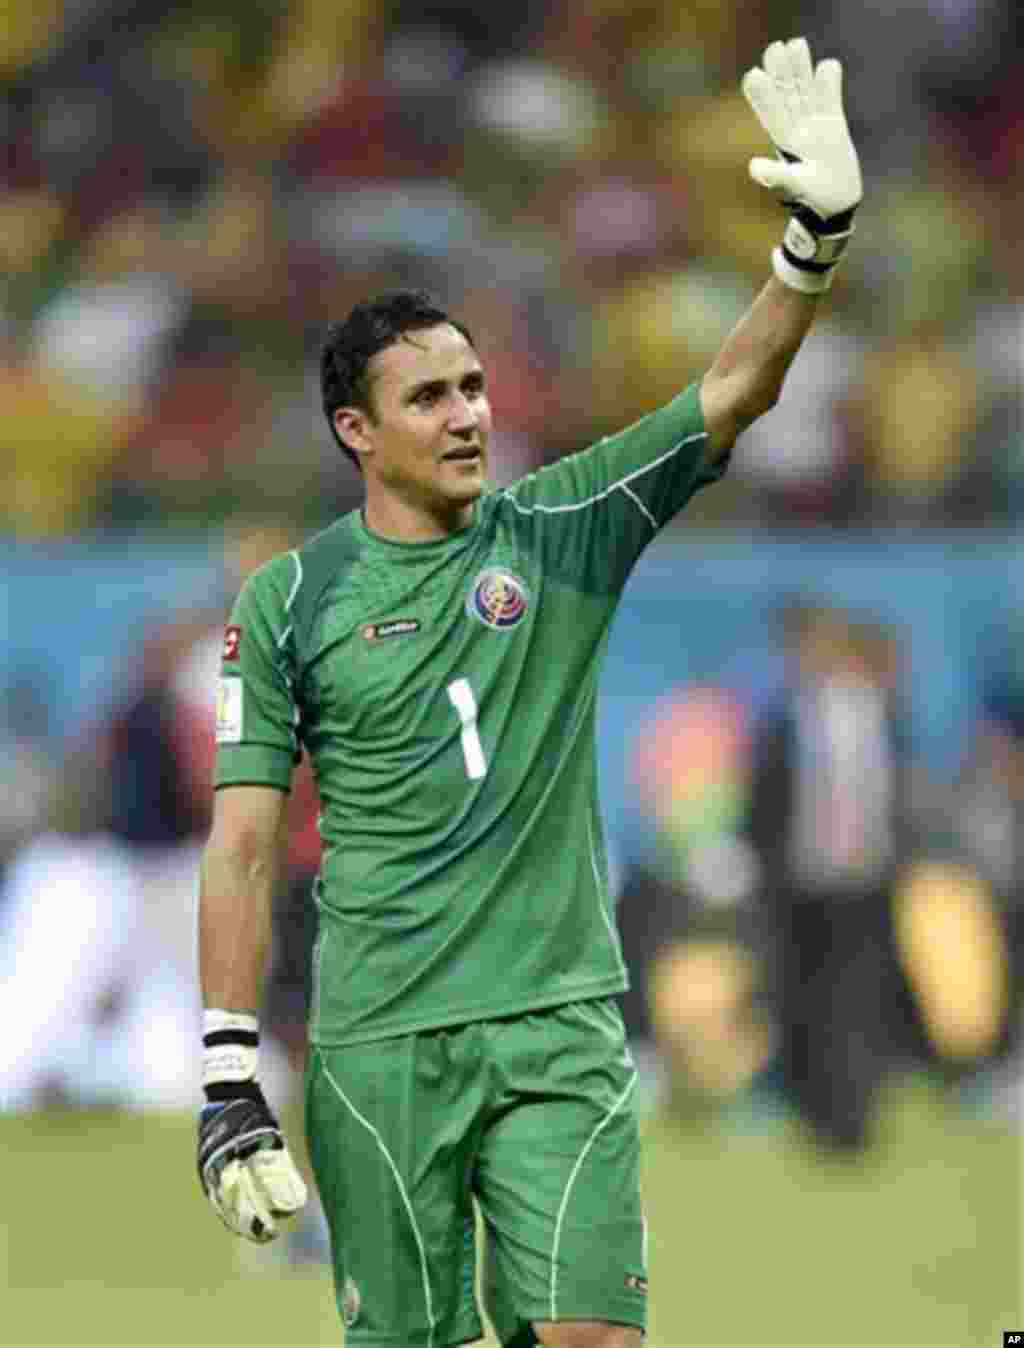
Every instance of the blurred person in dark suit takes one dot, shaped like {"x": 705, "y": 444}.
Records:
{"x": 829, "y": 820}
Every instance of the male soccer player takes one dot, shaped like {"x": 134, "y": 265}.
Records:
{"x": 437, "y": 655}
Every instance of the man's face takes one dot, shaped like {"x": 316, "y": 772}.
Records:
{"x": 425, "y": 442}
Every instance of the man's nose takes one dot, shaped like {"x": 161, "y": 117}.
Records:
{"x": 463, "y": 416}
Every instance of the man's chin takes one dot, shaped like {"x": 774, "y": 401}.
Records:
{"x": 467, "y": 488}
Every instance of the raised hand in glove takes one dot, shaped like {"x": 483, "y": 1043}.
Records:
{"x": 245, "y": 1168}
{"x": 817, "y": 172}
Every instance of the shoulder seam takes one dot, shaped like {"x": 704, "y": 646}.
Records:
{"x": 291, "y": 597}
{"x": 621, "y": 484}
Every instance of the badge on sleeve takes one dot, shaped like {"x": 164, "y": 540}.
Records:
{"x": 229, "y": 710}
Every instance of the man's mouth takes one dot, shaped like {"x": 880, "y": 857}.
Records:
{"x": 466, "y": 454}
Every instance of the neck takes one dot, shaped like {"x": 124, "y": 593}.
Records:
{"x": 394, "y": 518}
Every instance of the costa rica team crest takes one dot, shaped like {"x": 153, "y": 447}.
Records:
{"x": 498, "y": 599}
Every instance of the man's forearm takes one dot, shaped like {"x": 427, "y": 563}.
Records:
{"x": 757, "y": 354}
{"x": 245, "y": 1168}
{"x": 235, "y": 901}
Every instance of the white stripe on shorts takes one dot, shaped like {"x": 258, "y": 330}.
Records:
{"x": 572, "y": 1180}
{"x": 428, "y": 1299}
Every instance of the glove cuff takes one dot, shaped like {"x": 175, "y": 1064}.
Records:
{"x": 230, "y": 1053}
{"x": 811, "y": 249}
{"x": 799, "y": 278}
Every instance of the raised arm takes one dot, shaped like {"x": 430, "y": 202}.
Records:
{"x": 817, "y": 176}
{"x": 746, "y": 378}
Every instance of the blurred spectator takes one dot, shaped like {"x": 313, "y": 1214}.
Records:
{"x": 797, "y": 462}
{"x": 110, "y": 330}
{"x": 66, "y": 929}
{"x": 915, "y": 468}
{"x": 685, "y": 912}
{"x": 29, "y": 770}
{"x": 52, "y": 480}
{"x": 33, "y": 251}
{"x": 992, "y": 786}
{"x": 29, "y": 29}
{"x": 253, "y": 168}
{"x": 709, "y": 1022}
{"x": 159, "y": 751}
{"x": 159, "y": 798}
{"x": 953, "y": 949}
{"x": 830, "y": 819}
{"x": 117, "y": 1013}
{"x": 96, "y": 972}
{"x": 986, "y": 827}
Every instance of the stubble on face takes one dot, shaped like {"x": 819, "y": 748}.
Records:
{"x": 427, "y": 431}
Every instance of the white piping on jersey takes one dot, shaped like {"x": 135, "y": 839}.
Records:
{"x": 616, "y": 946}
{"x": 405, "y": 1200}
{"x": 640, "y": 506}
{"x": 572, "y": 1180}
{"x": 318, "y": 959}
{"x": 291, "y": 598}
{"x": 600, "y": 496}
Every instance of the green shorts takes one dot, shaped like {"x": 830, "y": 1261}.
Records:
{"x": 532, "y": 1116}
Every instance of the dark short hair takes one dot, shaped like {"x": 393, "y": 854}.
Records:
{"x": 370, "y": 327}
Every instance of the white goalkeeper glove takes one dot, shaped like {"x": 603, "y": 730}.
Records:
{"x": 245, "y": 1168}
{"x": 817, "y": 172}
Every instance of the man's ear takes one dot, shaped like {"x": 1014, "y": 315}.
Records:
{"x": 352, "y": 425}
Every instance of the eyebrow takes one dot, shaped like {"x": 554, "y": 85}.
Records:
{"x": 439, "y": 385}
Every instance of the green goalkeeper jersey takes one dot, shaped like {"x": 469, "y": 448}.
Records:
{"x": 446, "y": 693}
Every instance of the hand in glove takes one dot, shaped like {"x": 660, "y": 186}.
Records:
{"x": 817, "y": 172}
{"x": 245, "y": 1168}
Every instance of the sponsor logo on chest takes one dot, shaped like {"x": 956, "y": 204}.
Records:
{"x": 396, "y": 627}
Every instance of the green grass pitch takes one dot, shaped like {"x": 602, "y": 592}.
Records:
{"x": 105, "y": 1239}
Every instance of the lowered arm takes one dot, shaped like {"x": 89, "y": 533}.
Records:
{"x": 237, "y": 879}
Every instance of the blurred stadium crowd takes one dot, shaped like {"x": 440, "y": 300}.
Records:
{"x": 191, "y": 191}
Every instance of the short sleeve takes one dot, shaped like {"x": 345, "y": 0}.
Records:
{"x": 601, "y": 507}
{"x": 257, "y": 718}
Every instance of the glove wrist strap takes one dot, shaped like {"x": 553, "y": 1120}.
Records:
{"x": 811, "y": 248}
{"x": 230, "y": 1052}
{"x": 220, "y": 1092}
{"x": 814, "y": 282}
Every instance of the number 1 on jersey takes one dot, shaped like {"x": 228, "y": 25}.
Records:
{"x": 461, "y": 695}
